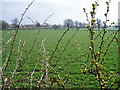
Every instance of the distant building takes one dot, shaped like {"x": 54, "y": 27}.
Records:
{"x": 46, "y": 25}
{"x": 112, "y": 27}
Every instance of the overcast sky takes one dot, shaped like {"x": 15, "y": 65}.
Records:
{"x": 62, "y": 10}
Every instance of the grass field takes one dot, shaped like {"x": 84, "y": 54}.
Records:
{"x": 75, "y": 50}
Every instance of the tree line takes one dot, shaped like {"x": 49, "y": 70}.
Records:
{"x": 67, "y": 23}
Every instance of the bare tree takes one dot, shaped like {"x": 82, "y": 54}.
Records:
{"x": 37, "y": 24}
{"x": 76, "y": 24}
{"x": 15, "y": 22}
{"x": 3, "y": 25}
{"x": 98, "y": 23}
{"x": 80, "y": 25}
{"x": 68, "y": 23}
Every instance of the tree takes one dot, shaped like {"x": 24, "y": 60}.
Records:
{"x": 81, "y": 25}
{"x": 84, "y": 25}
{"x": 119, "y": 23}
{"x": 37, "y": 24}
{"x": 68, "y": 23}
{"x": 76, "y": 24}
{"x": 3, "y": 25}
{"x": 15, "y": 22}
{"x": 98, "y": 22}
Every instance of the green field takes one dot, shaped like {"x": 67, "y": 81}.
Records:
{"x": 77, "y": 50}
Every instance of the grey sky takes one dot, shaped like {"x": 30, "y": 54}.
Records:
{"x": 62, "y": 10}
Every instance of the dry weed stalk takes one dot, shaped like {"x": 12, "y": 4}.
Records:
{"x": 19, "y": 57}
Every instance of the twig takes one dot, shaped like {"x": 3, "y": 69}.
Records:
{"x": 46, "y": 60}
{"x": 58, "y": 44}
{"x": 14, "y": 38}
{"x": 48, "y": 18}
{"x": 65, "y": 47}
{"x": 109, "y": 46}
{"x": 18, "y": 58}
